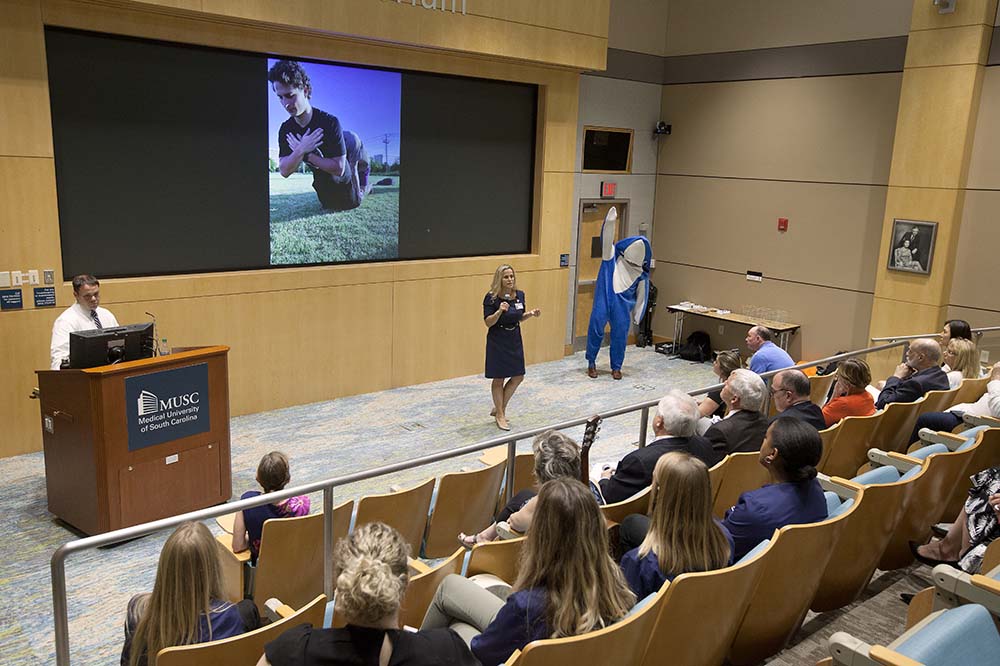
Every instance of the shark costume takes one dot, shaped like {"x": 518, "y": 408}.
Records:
{"x": 620, "y": 292}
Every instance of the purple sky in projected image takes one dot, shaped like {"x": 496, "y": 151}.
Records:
{"x": 366, "y": 101}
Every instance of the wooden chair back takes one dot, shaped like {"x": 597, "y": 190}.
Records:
{"x": 829, "y": 437}
{"x": 927, "y": 498}
{"x": 638, "y": 503}
{"x": 524, "y": 477}
{"x": 421, "y": 589}
{"x": 405, "y": 510}
{"x": 465, "y": 503}
{"x": 987, "y": 455}
{"x": 500, "y": 558}
{"x": 682, "y": 636}
{"x": 792, "y": 571}
{"x": 971, "y": 390}
{"x": 895, "y": 426}
{"x": 624, "y": 643}
{"x": 743, "y": 472}
{"x": 819, "y": 386}
{"x": 861, "y": 544}
{"x": 245, "y": 648}
{"x": 716, "y": 473}
{"x": 849, "y": 450}
{"x": 938, "y": 401}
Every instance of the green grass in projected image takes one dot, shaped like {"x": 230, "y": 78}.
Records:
{"x": 303, "y": 233}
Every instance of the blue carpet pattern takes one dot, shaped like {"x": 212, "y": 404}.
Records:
{"x": 322, "y": 440}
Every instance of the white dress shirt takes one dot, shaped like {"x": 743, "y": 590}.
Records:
{"x": 988, "y": 405}
{"x": 75, "y": 318}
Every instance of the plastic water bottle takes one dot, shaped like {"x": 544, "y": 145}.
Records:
{"x": 164, "y": 349}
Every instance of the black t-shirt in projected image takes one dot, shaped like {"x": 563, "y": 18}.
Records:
{"x": 333, "y": 193}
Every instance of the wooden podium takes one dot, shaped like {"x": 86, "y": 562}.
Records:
{"x": 105, "y": 464}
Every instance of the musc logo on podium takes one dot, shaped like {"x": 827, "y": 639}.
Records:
{"x": 168, "y": 405}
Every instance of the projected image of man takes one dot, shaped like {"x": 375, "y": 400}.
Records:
{"x": 338, "y": 158}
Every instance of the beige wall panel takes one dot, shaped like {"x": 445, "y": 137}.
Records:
{"x": 714, "y": 26}
{"x": 558, "y": 213}
{"x": 26, "y": 128}
{"x": 438, "y": 329}
{"x": 890, "y": 317}
{"x": 833, "y": 236}
{"x": 639, "y": 26}
{"x": 402, "y": 23}
{"x": 560, "y": 99}
{"x": 29, "y": 223}
{"x": 984, "y": 163}
{"x": 938, "y": 105}
{"x": 975, "y": 265}
{"x": 831, "y": 319}
{"x": 964, "y": 45}
{"x": 26, "y": 348}
{"x": 828, "y": 129}
{"x": 932, "y": 205}
{"x": 968, "y": 12}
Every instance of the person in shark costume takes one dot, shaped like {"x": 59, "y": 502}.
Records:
{"x": 620, "y": 293}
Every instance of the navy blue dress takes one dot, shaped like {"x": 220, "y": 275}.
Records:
{"x": 504, "y": 349}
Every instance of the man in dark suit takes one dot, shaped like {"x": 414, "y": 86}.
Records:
{"x": 790, "y": 392}
{"x": 920, "y": 373}
{"x": 744, "y": 426}
{"x": 674, "y": 427}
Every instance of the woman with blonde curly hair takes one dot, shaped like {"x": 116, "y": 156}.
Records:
{"x": 186, "y": 605}
{"x": 370, "y": 568}
{"x": 567, "y": 584}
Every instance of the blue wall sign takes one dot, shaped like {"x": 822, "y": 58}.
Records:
{"x": 10, "y": 299}
{"x": 45, "y": 297}
{"x": 167, "y": 405}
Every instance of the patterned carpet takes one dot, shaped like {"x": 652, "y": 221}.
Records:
{"x": 332, "y": 438}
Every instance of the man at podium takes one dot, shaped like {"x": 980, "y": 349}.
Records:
{"x": 84, "y": 315}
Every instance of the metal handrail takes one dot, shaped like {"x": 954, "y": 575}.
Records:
{"x": 58, "y": 563}
{"x": 902, "y": 338}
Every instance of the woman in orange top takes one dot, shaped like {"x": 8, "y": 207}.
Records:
{"x": 849, "y": 395}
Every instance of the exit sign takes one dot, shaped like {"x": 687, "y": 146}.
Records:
{"x": 608, "y": 189}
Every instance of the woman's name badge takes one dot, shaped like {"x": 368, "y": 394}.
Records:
{"x": 519, "y": 306}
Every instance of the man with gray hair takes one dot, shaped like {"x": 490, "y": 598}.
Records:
{"x": 790, "y": 391}
{"x": 744, "y": 425}
{"x": 674, "y": 427}
{"x": 919, "y": 373}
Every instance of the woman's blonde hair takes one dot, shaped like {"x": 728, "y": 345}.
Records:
{"x": 728, "y": 361}
{"x": 683, "y": 533}
{"x": 370, "y": 567}
{"x": 855, "y": 373}
{"x": 497, "y": 285}
{"x": 188, "y": 579}
{"x": 556, "y": 456}
{"x": 965, "y": 360}
{"x": 566, "y": 554}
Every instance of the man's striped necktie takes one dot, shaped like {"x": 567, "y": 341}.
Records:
{"x": 97, "y": 321}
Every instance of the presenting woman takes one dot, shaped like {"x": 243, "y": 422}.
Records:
{"x": 503, "y": 312}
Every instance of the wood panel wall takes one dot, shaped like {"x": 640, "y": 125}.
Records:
{"x": 301, "y": 335}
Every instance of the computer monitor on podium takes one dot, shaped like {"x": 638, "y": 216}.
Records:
{"x": 107, "y": 346}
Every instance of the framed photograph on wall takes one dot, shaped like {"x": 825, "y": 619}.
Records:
{"x": 912, "y": 247}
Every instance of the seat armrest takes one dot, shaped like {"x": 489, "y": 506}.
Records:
{"x": 276, "y": 610}
{"x": 971, "y": 420}
{"x": 879, "y": 458}
{"x": 842, "y": 488}
{"x": 883, "y": 655}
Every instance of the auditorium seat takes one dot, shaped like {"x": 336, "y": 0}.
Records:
{"x": 829, "y": 438}
{"x": 639, "y": 503}
{"x": 970, "y": 390}
{"x": 954, "y": 637}
{"x": 894, "y": 428}
{"x": 243, "y": 649}
{"x": 849, "y": 449}
{"x": 955, "y": 587}
{"x": 420, "y": 591}
{"x": 466, "y": 502}
{"x": 793, "y": 568}
{"x": 701, "y": 612}
{"x": 405, "y": 510}
{"x": 500, "y": 558}
{"x": 741, "y": 472}
{"x": 938, "y": 401}
{"x": 524, "y": 478}
{"x": 819, "y": 387}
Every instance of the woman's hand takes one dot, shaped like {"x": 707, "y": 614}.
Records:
{"x": 535, "y": 313}
{"x": 504, "y": 306}
{"x": 994, "y": 501}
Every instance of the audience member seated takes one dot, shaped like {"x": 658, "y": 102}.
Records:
{"x": 962, "y": 360}
{"x": 743, "y": 428}
{"x": 973, "y": 530}
{"x": 680, "y": 534}
{"x": 556, "y": 456}
{"x": 186, "y": 605}
{"x": 767, "y": 356}
{"x": 674, "y": 427}
{"x": 272, "y": 475}
{"x": 955, "y": 329}
{"x": 987, "y": 405}
{"x": 371, "y": 576}
{"x": 712, "y": 404}
{"x": 791, "y": 451}
{"x": 790, "y": 391}
{"x": 920, "y": 373}
{"x": 567, "y": 584}
{"x": 850, "y": 397}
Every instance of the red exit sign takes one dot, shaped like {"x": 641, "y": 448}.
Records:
{"x": 608, "y": 189}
